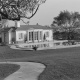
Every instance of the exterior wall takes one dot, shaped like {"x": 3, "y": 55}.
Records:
{"x": 5, "y": 37}
{"x": 8, "y": 36}
{"x": 18, "y": 39}
{"x": 12, "y": 35}
{"x": 33, "y": 34}
{"x": 50, "y": 35}
{"x": 2, "y": 35}
{"x": 40, "y": 40}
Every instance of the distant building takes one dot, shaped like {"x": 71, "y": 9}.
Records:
{"x": 26, "y": 34}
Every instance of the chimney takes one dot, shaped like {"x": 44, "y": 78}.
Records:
{"x": 17, "y": 23}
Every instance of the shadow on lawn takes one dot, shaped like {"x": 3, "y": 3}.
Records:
{"x": 7, "y": 69}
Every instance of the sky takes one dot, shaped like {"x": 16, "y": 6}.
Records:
{"x": 51, "y": 9}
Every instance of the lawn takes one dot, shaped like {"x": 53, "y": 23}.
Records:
{"x": 7, "y": 69}
{"x": 61, "y": 64}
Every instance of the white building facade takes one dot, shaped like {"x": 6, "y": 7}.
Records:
{"x": 26, "y": 34}
{"x": 33, "y": 35}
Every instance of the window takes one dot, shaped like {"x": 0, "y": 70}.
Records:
{"x": 30, "y": 36}
{"x": 40, "y": 35}
{"x": 20, "y": 35}
{"x": 36, "y": 35}
{"x": 47, "y": 34}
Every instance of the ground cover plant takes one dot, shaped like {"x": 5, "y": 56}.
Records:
{"x": 61, "y": 64}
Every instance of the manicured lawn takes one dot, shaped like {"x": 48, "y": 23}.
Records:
{"x": 61, "y": 64}
{"x": 7, "y": 69}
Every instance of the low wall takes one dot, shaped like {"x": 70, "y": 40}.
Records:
{"x": 49, "y": 45}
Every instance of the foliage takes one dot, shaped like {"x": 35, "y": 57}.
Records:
{"x": 66, "y": 18}
{"x": 62, "y": 18}
{"x": 66, "y": 35}
{"x": 16, "y": 9}
{"x": 66, "y": 22}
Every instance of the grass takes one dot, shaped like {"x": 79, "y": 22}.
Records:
{"x": 61, "y": 64}
{"x": 7, "y": 69}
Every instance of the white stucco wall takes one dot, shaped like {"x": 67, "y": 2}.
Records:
{"x": 7, "y": 37}
{"x": 11, "y": 35}
{"x": 51, "y": 35}
{"x": 2, "y": 35}
{"x": 17, "y": 35}
{"x": 50, "y": 38}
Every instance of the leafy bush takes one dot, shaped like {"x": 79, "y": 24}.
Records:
{"x": 66, "y": 35}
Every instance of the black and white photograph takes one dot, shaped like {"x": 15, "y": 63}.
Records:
{"x": 39, "y": 40}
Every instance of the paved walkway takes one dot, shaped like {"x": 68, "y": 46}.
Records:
{"x": 27, "y": 71}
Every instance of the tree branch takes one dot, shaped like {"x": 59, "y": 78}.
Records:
{"x": 32, "y": 14}
{"x": 15, "y": 9}
{"x": 3, "y": 15}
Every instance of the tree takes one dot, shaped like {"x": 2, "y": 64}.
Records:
{"x": 66, "y": 22}
{"x": 67, "y": 19}
{"x": 62, "y": 18}
{"x": 17, "y": 9}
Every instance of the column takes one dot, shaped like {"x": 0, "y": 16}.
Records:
{"x": 33, "y": 36}
{"x": 28, "y": 36}
{"x": 38, "y": 36}
{"x": 9, "y": 37}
